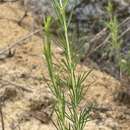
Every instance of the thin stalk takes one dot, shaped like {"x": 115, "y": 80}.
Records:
{"x": 72, "y": 75}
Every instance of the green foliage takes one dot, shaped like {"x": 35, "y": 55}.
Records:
{"x": 109, "y": 9}
{"x": 113, "y": 27}
{"x": 68, "y": 116}
{"x": 125, "y": 64}
{"x": 123, "y": 61}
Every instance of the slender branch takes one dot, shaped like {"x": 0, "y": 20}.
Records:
{"x": 2, "y": 119}
{"x": 16, "y": 85}
{"x": 19, "y": 41}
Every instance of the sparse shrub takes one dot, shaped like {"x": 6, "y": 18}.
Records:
{"x": 122, "y": 61}
{"x": 115, "y": 41}
{"x": 66, "y": 109}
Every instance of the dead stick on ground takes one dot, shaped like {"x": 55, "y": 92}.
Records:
{"x": 35, "y": 32}
{"x": 2, "y": 119}
{"x": 123, "y": 33}
{"x": 102, "y": 44}
{"x": 17, "y": 85}
{"x": 19, "y": 41}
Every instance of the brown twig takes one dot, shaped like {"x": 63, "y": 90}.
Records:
{"x": 5, "y": 1}
{"x": 19, "y": 86}
{"x": 123, "y": 33}
{"x": 19, "y": 41}
{"x": 2, "y": 119}
{"x": 100, "y": 45}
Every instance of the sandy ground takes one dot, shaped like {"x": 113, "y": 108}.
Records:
{"x": 26, "y": 68}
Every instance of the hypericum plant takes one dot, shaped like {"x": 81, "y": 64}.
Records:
{"x": 123, "y": 62}
{"x": 67, "y": 105}
{"x": 113, "y": 27}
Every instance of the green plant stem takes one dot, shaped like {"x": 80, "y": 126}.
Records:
{"x": 72, "y": 74}
{"x": 73, "y": 83}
